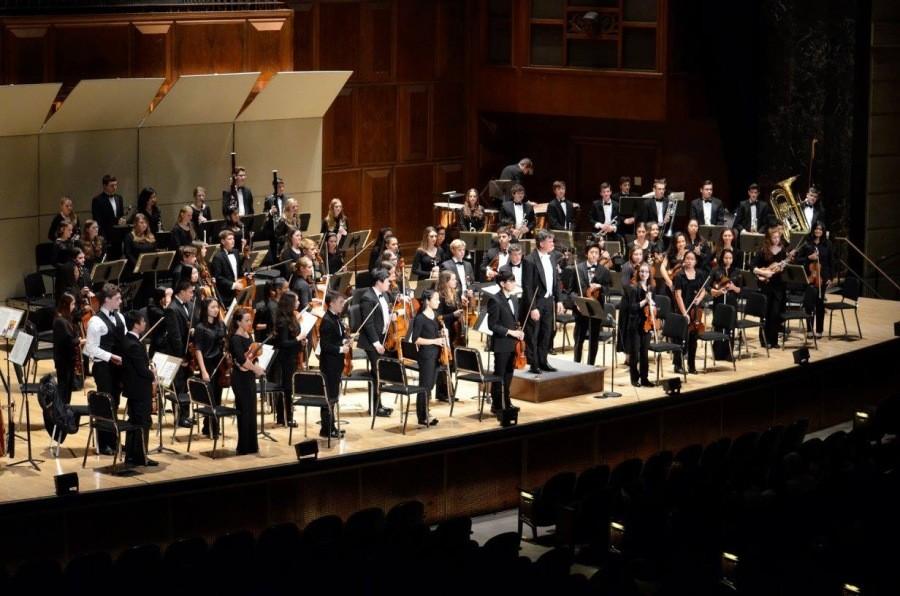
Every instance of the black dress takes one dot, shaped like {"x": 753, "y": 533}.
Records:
{"x": 721, "y": 350}
{"x": 425, "y": 328}
{"x": 689, "y": 289}
{"x": 210, "y": 341}
{"x": 825, "y": 273}
{"x": 65, "y": 351}
{"x": 423, "y": 263}
{"x": 243, "y": 383}
{"x": 288, "y": 347}
{"x": 773, "y": 289}
{"x": 474, "y": 222}
{"x": 335, "y": 262}
{"x": 637, "y": 341}
{"x": 181, "y": 237}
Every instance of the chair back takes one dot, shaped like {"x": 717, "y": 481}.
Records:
{"x": 663, "y": 306}
{"x": 309, "y": 383}
{"x": 409, "y": 350}
{"x": 34, "y": 285}
{"x": 43, "y": 254}
{"x": 198, "y": 391}
{"x": 850, "y": 289}
{"x": 676, "y": 327}
{"x": 355, "y": 314}
{"x": 609, "y": 313}
{"x": 364, "y": 280}
{"x": 724, "y": 317}
{"x": 755, "y": 305}
{"x": 390, "y": 371}
{"x": 467, "y": 360}
{"x": 100, "y": 406}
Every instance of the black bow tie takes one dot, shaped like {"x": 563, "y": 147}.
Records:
{"x": 707, "y": 200}
{"x": 458, "y": 262}
{"x": 660, "y": 200}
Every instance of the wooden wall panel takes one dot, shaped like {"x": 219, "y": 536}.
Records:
{"x": 376, "y": 131}
{"x": 25, "y": 54}
{"x": 304, "y": 37}
{"x": 449, "y": 176}
{"x": 102, "y": 52}
{"x": 209, "y": 47}
{"x": 339, "y": 48}
{"x": 346, "y": 186}
{"x": 450, "y": 38}
{"x": 377, "y": 29}
{"x": 376, "y": 207}
{"x": 413, "y": 200}
{"x": 413, "y": 126}
{"x": 449, "y": 121}
{"x": 339, "y": 127}
{"x": 151, "y": 50}
{"x": 415, "y": 40}
{"x": 268, "y": 45}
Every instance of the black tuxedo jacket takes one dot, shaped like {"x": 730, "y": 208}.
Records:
{"x": 647, "y": 213}
{"x": 372, "y": 332}
{"x": 598, "y": 215}
{"x": 331, "y": 338}
{"x": 716, "y": 216}
{"x": 533, "y": 278}
{"x": 177, "y": 325}
{"x": 268, "y": 231}
{"x": 449, "y": 265}
{"x": 508, "y": 215}
{"x": 818, "y": 214}
{"x": 764, "y": 216}
{"x": 221, "y": 271}
{"x": 559, "y": 220}
{"x": 102, "y": 213}
{"x": 501, "y": 319}
{"x": 486, "y": 261}
{"x": 137, "y": 377}
{"x": 248, "y": 201}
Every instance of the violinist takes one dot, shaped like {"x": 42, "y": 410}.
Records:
{"x": 179, "y": 322}
{"x": 425, "y": 264}
{"x": 183, "y": 232}
{"x": 500, "y": 253}
{"x": 92, "y": 243}
{"x": 657, "y": 245}
{"x": 73, "y": 276}
{"x": 768, "y": 266}
{"x": 514, "y": 264}
{"x": 726, "y": 287}
{"x": 503, "y": 320}
{"x": 594, "y": 280}
{"x": 640, "y": 239}
{"x": 727, "y": 241}
{"x": 243, "y": 380}
{"x": 209, "y": 343}
{"x": 372, "y": 335}
{"x": 630, "y": 268}
{"x": 688, "y": 290}
{"x": 138, "y": 242}
{"x": 187, "y": 261}
{"x": 227, "y": 267}
{"x": 267, "y": 308}
{"x": 302, "y": 282}
{"x": 66, "y": 214}
{"x": 462, "y": 269}
{"x": 672, "y": 263}
{"x": 147, "y": 206}
{"x": 451, "y": 310}
{"x": 816, "y": 257}
{"x": 334, "y": 258}
{"x": 336, "y": 221}
{"x": 199, "y": 209}
{"x": 378, "y": 247}
{"x": 472, "y": 218}
{"x": 699, "y": 247}
{"x": 334, "y": 343}
{"x": 67, "y": 342}
{"x": 392, "y": 245}
{"x": 156, "y": 310}
{"x": 429, "y": 338}
{"x": 289, "y": 342}
{"x": 638, "y": 304}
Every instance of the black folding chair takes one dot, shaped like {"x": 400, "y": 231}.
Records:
{"x": 202, "y": 405}
{"x": 675, "y": 330}
{"x": 850, "y": 291}
{"x": 391, "y": 377}
{"x": 104, "y": 418}
{"x": 724, "y": 318}
{"x": 755, "y": 305}
{"x": 309, "y": 391}
{"x": 805, "y": 313}
{"x": 469, "y": 368}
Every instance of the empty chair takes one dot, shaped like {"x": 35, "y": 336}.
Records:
{"x": 804, "y": 313}
{"x": 203, "y": 405}
{"x": 674, "y": 332}
{"x": 724, "y": 319}
{"x": 310, "y": 391}
{"x": 850, "y": 291}
{"x": 755, "y": 305}
{"x": 104, "y": 418}
{"x": 540, "y": 507}
{"x": 469, "y": 368}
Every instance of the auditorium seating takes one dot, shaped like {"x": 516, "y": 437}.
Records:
{"x": 801, "y": 517}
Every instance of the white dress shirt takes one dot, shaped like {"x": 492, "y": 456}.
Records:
{"x": 385, "y": 311}
{"x": 808, "y": 211}
{"x": 95, "y": 331}
{"x": 519, "y": 210}
{"x": 660, "y": 210}
{"x": 607, "y": 213}
{"x": 753, "y": 221}
{"x": 112, "y": 203}
{"x": 547, "y": 264}
{"x": 240, "y": 198}
{"x": 707, "y": 213}
{"x": 232, "y": 260}
{"x": 461, "y": 272}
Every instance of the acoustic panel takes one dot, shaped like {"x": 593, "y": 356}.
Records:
{"x": 293, "y": 147}
{"x": 296, "y": 95}
{"x": 22, "y": 234}
{"x": 202, "y": 99}
{"x": 19, "y": 170}
{"x": 106, "y": 104}
{"x": 24, "y": 108}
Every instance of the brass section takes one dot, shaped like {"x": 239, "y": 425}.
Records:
{"x": 787, "y": 209}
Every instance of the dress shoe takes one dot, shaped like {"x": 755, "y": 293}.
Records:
{"x": 383, "y": 412}
{"x": 431, "y": 422}
{"x": 292, "y": 424}
{"x": 185, "y": 423}
{"x": 547, "y": 368}
{"x": 152, "y": 463}
{"x": 335, "y": 434}
{"x": 635, "y": 383}
{"x": 646, "y": 383}
{"x": 680, "y": 370}
{"x": 692, "y": 370}
{"x": 107, "y": 450}
{"x": 534, "y": 370}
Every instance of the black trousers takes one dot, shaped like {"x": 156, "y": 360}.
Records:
{"x": 586, "y": 328}
{"x": 65, "y": 379}
{"x": 428, "y": 368}
{"x": 332, "y": 375}
{"x": 819, "y": 309}
{"x": 775, "y": 306}
{"x": 139, "y": 414}
{"x": 109, "y": 380}
{"x": 210, "y": 425}
{"x": 504, "y": 366}
{"x": 638, "y": 359}
{"x": 244, "y": 387}
{"x": 287, "y": 366}
{"x": 691, "y": 352}
{"x": 539, "y": 334}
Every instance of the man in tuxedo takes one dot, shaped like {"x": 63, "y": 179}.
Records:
{"x": 560, "y": 210}
{"x": 465, "y": 273}
{"x": 812, "y": 209}
{"x": 707, "y": 209}
{"x": 499, "y": 252}
{"x": 240, "y": 197}
{"x": 108, "y": 210}
{"x": 138, "y": 381}
{"x": 503, "y": 319}
{"x": 514, "y": 265}
{"x": 517, "y": 214}
{"x": 540, "y": 281}
{"x": 179, "y": 316}
{"x": 103, "y": 346}
{"x": 654, "y": 207}
{"x": 605, "y": 213}
{"x": 226, "y": 267}
{"x": 516, "y": 173}
{"x": 274, "y": 209}
{"x": 372, "y": 334}
{"x": 753, "y": 215}
{"x": 590, "y": 275}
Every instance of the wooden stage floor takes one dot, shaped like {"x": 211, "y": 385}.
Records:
{"x": 23, "y": 483}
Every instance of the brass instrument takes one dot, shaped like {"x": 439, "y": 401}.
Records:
{"x": 787, "y": 209}
{"x": 669, "y": 217}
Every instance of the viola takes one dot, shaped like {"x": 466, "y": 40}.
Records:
{"x": 695, "y": 314}
{"x": 348, "y": 355}
{"x": 520, "y": 361}
{"x": 445, "y": 357}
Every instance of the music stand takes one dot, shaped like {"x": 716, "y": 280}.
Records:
{"x": 613, "y": 247}
{"x": 629, "y": 206}
{"x": 355, "y": 241}
{"x": 712, "y": 233}
{"x": 253, "y": 223}
{"x": 748, "y": 280}
{"x": 339, "y": 282}
{"x": 317, "y": 238}
{"x": 750, "y": 243}
{"x": 267, "y": 350}
{"x": 154, "y": 262}
{"x": 598, "y": 312}
{"x": 795, "y": 275}
{"x": 211, "y": 250}
{"x": 527, "y": 246}
{"x": 499, "y": 190}
{"x": 109, "y": 272}
{"x": 256, "y": 257}
{"x": 567, "y": 236}
{"x": 243, "y": 296}
{"x": 129, "y": 290}
{"x": 210, "y": 230}
{"x": 422, "y": 285}
{"x": 166, "y": 369}
{"x": 304, "y": 221}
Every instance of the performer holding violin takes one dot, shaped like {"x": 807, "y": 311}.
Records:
{"x": 244, "y": 353}
{"x": 640, "y": 324}
{"x": 507, "y": 339}
{"x": 179, "y": 325}
{"x": 672, "y": 263}
{"x": 334, "y": 259}
{"x": 816, "y": 256}
{"x": 429, "y": 336}
{"x": 452, "y": 313}
{"x": 209, "y": 347}
{"x": 373, "y": 334}
{"x": 290, "y": 343}
{"x": 334, "y": 349}
{"x": 425, "y": 263}
{"x": 725, "y": 289}
{"x": 689, "y": 294}
{"x": 67, "y": 342}
{"x": 768, "y": 265}
{"x": 496, "y": 256}
{"x": 593, "y": 281}
{"x": 227, "y": 268}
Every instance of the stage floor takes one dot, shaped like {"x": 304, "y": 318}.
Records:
{"x": 23, "y": 482}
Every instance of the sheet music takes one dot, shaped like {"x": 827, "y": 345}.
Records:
{"x": 166, "y": 368}
{"x": 265, "y": 356}
{"x": 19, "y": 352}
{"x": 307, "y": 321}
{"x": 9, "y": 321}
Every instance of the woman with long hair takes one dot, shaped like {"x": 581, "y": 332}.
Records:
{"x": 66, "y": 214}
{"x": 672, "y": 263}
{"x": 243, "y": 380}
{"x": 768, "y": 266}
{"x": 689, "y": 291}
{"x": 425, "y": 264}
{"x": 816, "y": 255}
{"x": 336, "y": 220}
{"x": 427, "y": 335}
{"x": 199, "y": 209}
{"x": 147, "y": 206}
{"x": 637, "y": 297}
{"x": 289, "y": 341}
{"x": 472, "y": 217}
{"x": 378, "y": 246}
{"x": 183, "y": 232}
{"x": 334, "y": 259}
{"x": 138, "y": 242}
{"x": 67, "y": 342}
{"x": 92, "y": 243}
{"x": 641, "y": 240}
{"x": 209, "y": 341}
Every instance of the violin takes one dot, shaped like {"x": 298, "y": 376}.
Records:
{"x": 348, "y": 356}
{"x": 225, "y": 367}
{"x": 695, "y": 314}
{"x": 520, "y": 361}
{"x": 650, "y": 323}
{"x": 445, "y": 356}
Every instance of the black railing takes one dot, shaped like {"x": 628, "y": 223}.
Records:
{"x": 48, "y": 7}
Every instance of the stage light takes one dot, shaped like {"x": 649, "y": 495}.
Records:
{"x": 509, "y": 416}
{"x": 850, "y": 590}
{"x": 307, "y": 450}
{"x": 672, "y": 387}
{"x": 66, "y": 484}
{"x": 616, "y": 537}
{"x": 801, "y": 356}
{"x": 860, "y": 419}
{"x": 729, "y": 567}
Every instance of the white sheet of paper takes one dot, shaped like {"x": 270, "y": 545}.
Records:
{"x": 9, "y": 321}
{"x": 266, "y": 356}
{"x": 307, "y": 321}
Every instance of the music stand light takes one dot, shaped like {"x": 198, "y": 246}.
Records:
{"x": 672, "y": 386}
{"x": 729, "y": 567}
{"x": 801, "y": 356}
{"x": 307, "y": 450}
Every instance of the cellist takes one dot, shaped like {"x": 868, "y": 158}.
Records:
{"x": 504, "y": 322}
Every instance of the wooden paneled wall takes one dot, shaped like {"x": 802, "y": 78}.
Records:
{"x": 396, "y": 134}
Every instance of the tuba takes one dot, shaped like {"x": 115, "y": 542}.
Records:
{"x": 787, "y": 209}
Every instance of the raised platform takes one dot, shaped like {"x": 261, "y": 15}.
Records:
{"x": 570, "y": 379}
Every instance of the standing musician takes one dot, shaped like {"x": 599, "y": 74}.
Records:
{"x": 688, "y": 289}
{"x": 288, "y": 224}
{"x": 63, "y": 247}
{"x": 540, "y": 279}
{"x": 465, "y": 273}
{"x": 104, "y": 348}
{"x": 187, "y": 263}
{"x": 391, "y": 245}
{"x": 429, "y": 339}
{"x": 67, "y": 342}
{"x": 92, "y": 243}
{"x": 267, "y": 307}
{"x": 592, "y": 277}
{"x": 560, "y": 210}
{"x": 452, "y": 311}
{"x": 311, "y": 251}
{"x": 334, "y": 258}
{"x": 816, "y": 256}
{"x": 442, "y": 243}
{"x": 302, "y": 284}
{"x": 624, "y": 191}
{"x": 140, "y": 240}
{"x": 108, "y": 208}
{"x": 66, "y": 214}
{"x": 630, "y": 267}
{"x": 199, "y": 209}
{"x": 289, "y": 341}
{"x": 137, "y": 378}
{"x": 657, "y": 245}
{"x": 234, "y": 224}
{"x": 638, "y": 304}
{"x": 240, "y": 197}
{"x": 274, "y": 208}
{"x": 514, "y": 264}
{"x": 726, "y": 287}
{"x": 699, "y": 246}
{"x": 227, "y": 267}
{"x": 655, "y": 207}
{"x": 812, "y": 209}
{"x": 488, "y": 270}
{"x": 209, "y": 344}
{"x": 336, "y": 221}
{"x": 425, "y": 264}
{"x": 373, "y": 333}
{"x": 517, "y": 214}
{"x": 605, "y": 213}
{"x": 768, "y": 266}
{"x": 179, "y": 321}
{"x": 472, "y": 218}
{"x": 707, "y": 208}
{"x": 503, "y": 320}
{"x": 753, "y": 215}
{"x": 243, "y": 380}
{"x": 147, "y": 206}
{"x": 672, "y": 263}
{"x": 183, "y": 232}
{"x": 334, "y": 343}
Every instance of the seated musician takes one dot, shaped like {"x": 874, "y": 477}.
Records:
{"x": 472, "y": 218}
{"x": 66, "y": 214}
{"x": 672, "y": 263}
{"x": 699, "y": 247}
{"x": 500, "y": 253}
{"x": 425, "y": 264}
{"x": 138, "y": 242}
{"x": 517, "y": 214}
{"x": 92, "y": 243}
{"x": 293, "y": 250}
{"x": 234, "y": 224}
{"x": 302, "y": 283}
{"x": 199, "y": 209}
{"x": 183, "y": 232}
